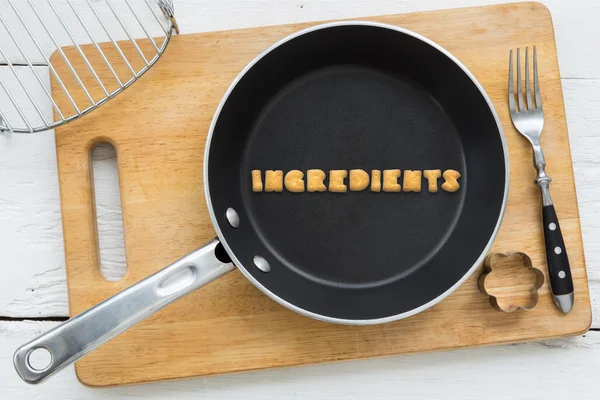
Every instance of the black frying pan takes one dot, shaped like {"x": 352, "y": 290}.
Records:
{"x": 341, "y": 96}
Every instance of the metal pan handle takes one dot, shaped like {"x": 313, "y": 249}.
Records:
{"x": 78, "y": 336}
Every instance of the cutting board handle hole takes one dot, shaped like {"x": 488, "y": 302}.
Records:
{"x": 108, "y": 212}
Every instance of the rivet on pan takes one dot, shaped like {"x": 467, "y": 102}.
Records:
{"x": 261, "y": 264}
{"x": 232, "y": 217}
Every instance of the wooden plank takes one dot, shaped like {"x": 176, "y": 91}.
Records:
{"x": 21, "y": 100}
{"x": 564, "y": 368}
{"x": 308, "y": 382}
{"x": 33, "y": 274}
{"x": 572, "y": 22}
{"x": 165, "y": 217}
{"x": 584, "y": 121}
{"x": 55, "y": 27}
{"x": 30, "y": 212}
{"x": 433, "y": 375}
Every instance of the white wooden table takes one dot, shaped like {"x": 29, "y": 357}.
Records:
{"x": 33, "y": 295}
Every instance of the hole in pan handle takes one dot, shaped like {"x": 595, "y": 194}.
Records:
{"x": 76, "y": 337}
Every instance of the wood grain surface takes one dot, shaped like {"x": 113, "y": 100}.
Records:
{"x": 159, "y": 128}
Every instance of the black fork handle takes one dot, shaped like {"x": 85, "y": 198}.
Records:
{"x": 559, "y": 268}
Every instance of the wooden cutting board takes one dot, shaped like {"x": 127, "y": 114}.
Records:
{"x": 159, "y": 127}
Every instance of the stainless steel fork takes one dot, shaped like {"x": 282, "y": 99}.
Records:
{"x": 528, "y": 119}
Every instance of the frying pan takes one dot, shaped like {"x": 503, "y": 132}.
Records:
{"x": 337, "y": 96}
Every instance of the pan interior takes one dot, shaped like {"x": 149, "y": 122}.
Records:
{"x": 357, "y": 96}
{"x": 353, "y": 117}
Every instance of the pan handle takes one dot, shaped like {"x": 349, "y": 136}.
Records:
{"x": 83, "y": 333}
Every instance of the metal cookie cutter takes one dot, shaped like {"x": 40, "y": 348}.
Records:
{"x": 488, "y": 267}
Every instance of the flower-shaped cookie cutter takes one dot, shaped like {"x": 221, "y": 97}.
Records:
{"x": 488, "y": 266}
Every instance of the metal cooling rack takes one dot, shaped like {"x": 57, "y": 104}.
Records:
{"x": 128, "y": 35}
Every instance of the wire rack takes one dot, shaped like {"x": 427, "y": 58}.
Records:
{"x": 103, "y": 45}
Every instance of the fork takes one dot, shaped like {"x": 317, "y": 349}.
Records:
{"x": 528, "y": 119}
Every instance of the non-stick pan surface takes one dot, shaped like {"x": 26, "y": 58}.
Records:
{"x": 357, "y": 96}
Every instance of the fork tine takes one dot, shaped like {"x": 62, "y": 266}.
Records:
{"x": 519, "y": 83}
{"x": 536, "y": 85}
{"x": 511, "y": 84}
{"x": 527, "y": 85}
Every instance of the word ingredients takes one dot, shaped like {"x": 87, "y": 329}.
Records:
{"x": 355, "y": 180}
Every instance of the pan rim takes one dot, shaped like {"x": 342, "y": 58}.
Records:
{"x": 300, "y": 310}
